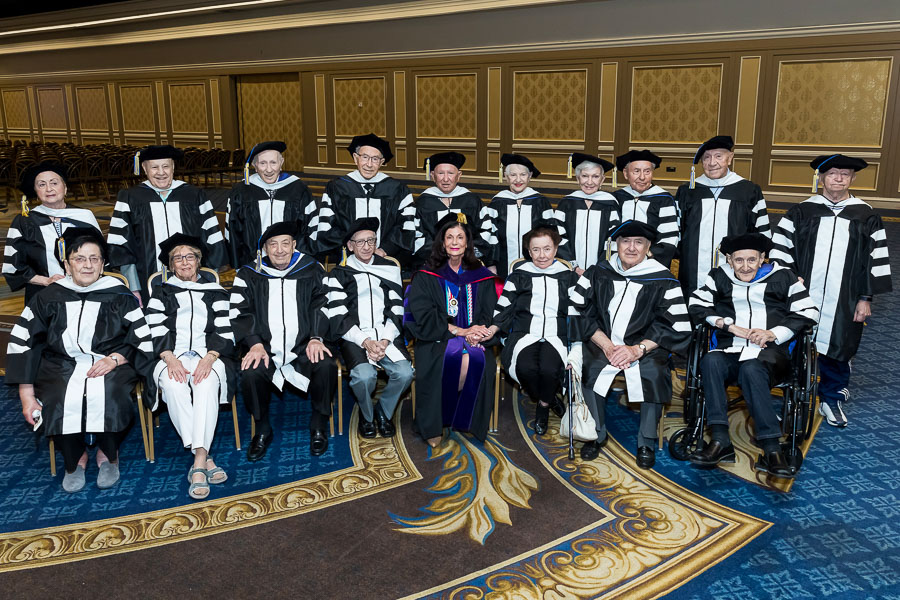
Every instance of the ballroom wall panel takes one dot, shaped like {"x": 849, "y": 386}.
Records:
{"x": 268, "y": 108}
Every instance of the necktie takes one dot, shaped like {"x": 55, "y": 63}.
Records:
{"x": 368, "y": 187}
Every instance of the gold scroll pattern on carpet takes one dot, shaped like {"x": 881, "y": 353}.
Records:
{"x": 653, "y": 535}
{"x": 379, "y": 464}
{"x": 478, "y": 485}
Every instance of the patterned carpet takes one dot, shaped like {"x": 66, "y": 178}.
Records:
{"x": 511, "y": 518}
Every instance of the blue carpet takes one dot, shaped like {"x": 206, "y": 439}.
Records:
{"x": 837, "y": 533}
{"x": 31, "y": 499}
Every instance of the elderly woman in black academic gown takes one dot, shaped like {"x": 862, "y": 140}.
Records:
{"x": 29, "y": 259}
{"x": 633, "y": 317}
{"x": 449, "y": 304}
{"x": 76, "y": 349}
{"x": 533, "y": 313}
{"x": 192, "y": 338}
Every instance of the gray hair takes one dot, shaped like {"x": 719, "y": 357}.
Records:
{"x": 256, "y": 157}
{"x": 506, "y": 168}
{"x": 585, "y": 165}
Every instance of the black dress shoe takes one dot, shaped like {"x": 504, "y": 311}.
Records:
{"x": 591, "y": 450}
{"x": 774, "y": 464}
{"x": 558, "y": 406}
{"x": 318, "y": 442}
{"x": 712, "y": 454}
{"x": 385, "y": 426}
{"x": 646, "y": 457}
{"x": 367, "y": 428}
{"x": 541, "y": 416}
{"x": 258, "y": 446}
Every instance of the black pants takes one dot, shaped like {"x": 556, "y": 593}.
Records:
{"x": 539, "y": 369}
{"x": 256, "y": 386}
{"x": 72, "y": 446}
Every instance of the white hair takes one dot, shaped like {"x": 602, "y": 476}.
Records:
{"x": 256, "y": 156}
{"x": 585, "y": 165}
{"x": 506, "y": 168}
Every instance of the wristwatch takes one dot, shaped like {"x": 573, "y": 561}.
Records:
{"x": 115, "y": 360}
{"x": 727, "y": 322}
{"x": 643, "y": 348}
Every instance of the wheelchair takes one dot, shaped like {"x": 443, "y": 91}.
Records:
{"x": 800, "y": 392}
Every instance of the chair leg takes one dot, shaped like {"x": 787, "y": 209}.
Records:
{"x": 142, "y": 415}
{"x": 340, "y": 405}
{"x": 659, "y": 427}
{"x": 237, "y": 429}
{"x": 496, "y": 416}
{"x": 150, "y": 434}
{"x": 52, "y": 458}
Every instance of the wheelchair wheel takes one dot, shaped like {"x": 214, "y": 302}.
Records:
{"x": 682, "y": 444}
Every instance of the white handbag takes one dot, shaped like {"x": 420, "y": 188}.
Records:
{"x": 585, "y": 427}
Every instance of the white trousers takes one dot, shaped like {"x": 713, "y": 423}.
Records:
{"x": 193, "y": 407}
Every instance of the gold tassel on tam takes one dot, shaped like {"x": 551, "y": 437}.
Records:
{"x": 615, "y": 181}
{"x": 25, "y": 210}
{"x": 815, "y": 185}
{"x": 61, "y": 248}
{"x": 427, "y": 167}
{"x": 461, "y": 218}
{"x": 247, "y": 173}
{"x": 693, "y": 174}
{"x": 137, "y": 163}
{"x": 608, "y": 248}
{"x": 716, "y": 257}
{"x": 259, "y": 260}
{"x": 500, "y": 173}
{"x": 569, "y": 168}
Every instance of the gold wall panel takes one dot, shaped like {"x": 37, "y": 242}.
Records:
{"x": 161, "y": 104}
{"x": 608, "y": 81}
{"x": 321, "y": 129}
{"x": 677, "y": 104}
{"x": 400, "y": 157}
{"x": 748, "y": 90}
{"x": 553, "y": 162}
{"x": 446, "y": 106}
{"x": 400, "y": 104}
{"x": 797, "y": 173}
{"x": 15, "y": 104}
{"x": 137, "y": 108}
{"x": 322, "y": 153}
{"x": 188, "y": 105}
{"x": 359, "y": 106}
{"x": 494, "y": 104}
{"x": 53, "y": 108}
{"x": 92, "y": 114}
{"x": 742, "y": 166}
{"x": 269, "y": 109}
{"x": 113, "y": 111}
{"x": 493, "y": 161}
{"x": 549, "y": 105}
{"x": 682, "y": 172}
{"x": 216, "y": 106}
{"x": 832, "y": 102}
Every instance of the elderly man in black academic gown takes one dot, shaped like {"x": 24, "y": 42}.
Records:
{"x": 642, "y": 200}
{"x": 444, "y": 197}
{"x": 836, "y": 243}
{"x": 281, "y": 325}
{"x": 366, "y": 192}
{"x": 757, "y": 309}
{"x": 267, "y": 197}
{"x": 365, "y": 304}
{"x": 153, "y": 211}
{"x": 717, "y": 204}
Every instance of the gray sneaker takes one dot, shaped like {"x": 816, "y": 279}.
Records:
{"x": 74, "y": 481}
{"x": 108, "y": 476}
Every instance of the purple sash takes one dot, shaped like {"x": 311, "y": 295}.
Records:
{"x": 457, "y": 407}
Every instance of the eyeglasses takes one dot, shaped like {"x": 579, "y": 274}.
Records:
{"x": 365, "y": 242}
{"x": 189, "y": 258}
{"x": 83, "y": 260}
{"x": 370, "y": 159}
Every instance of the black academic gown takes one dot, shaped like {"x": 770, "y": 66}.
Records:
{"x": 430, "y": 209}
{"x": 711, "y": 211}
{"x": 840, "y": 251}
{"x": 534, "y": 307}
{"x": 346, "y": 200}
{"x": 586, "y": 230}
{"x": 30, "y": 245}
{"x": 142, "y": 220}
{"x": 644, "y": 302}
{"x": 504, "y": 222}
{"x": 776, "y": 300}
{"x": 186, "y": 316}
{"x": 655, "y": 207}
{"x": 253, "y": 207}
{"x": 62, "y": 332}
{"x": 366, "y": 301}
{"x": 283, "y": 310}
{"x": 427, "y": 322}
